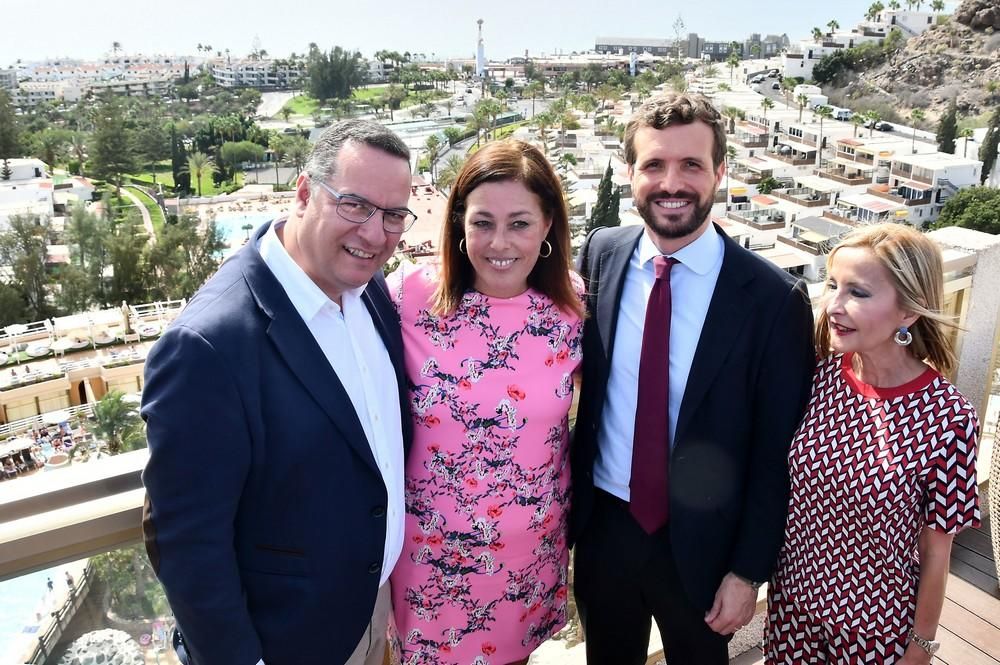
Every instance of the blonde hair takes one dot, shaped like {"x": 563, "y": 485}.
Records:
{"x": 915, "y": 267}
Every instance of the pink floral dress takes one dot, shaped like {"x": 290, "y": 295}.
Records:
{"x": 482, "y": 576}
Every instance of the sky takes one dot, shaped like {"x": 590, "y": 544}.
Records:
{"x": 445, "y": 28}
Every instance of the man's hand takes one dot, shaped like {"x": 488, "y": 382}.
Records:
{"x": 734, "y": 605}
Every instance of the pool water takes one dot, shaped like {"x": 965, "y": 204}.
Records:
{"x": 22, "y": 597}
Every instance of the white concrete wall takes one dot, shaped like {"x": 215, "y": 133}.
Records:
{"x": 984, "y": 310}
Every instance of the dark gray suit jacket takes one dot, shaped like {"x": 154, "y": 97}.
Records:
{"x": 266, "y": 511}
{"x": 748, "y": 386}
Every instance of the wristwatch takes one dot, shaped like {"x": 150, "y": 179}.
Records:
{"x": 930, "y": 646}
{"x": 754, "y": 585}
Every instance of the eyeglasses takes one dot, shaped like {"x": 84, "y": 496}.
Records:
{"x": 358, "y": 211}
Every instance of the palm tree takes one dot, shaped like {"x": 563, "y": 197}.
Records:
{"x": 117, "y": 423}
{"x": 116, "y": 47}
{"x": 872, "y": 118}
{"x": 802, "y": 100}
{"x": 534, "y": 90}
{"x": 937, "y": 5}
{"x": 279, "y": 149}
{"x": 433, "y": 147}
{"x": 479, "y": 122}
{"x": 586, "y": 103}
{"x": 767, "y": 103}
{"x": 817, "y": 35}
{"x": 917, "y": 116}
{"x": 822, "y": 112}
{"x": 543, "y": 121}
{"x": 296, "y": 152}
{"x": 834, "y": 26}
{"x": 78, "y": 146}
{"x": 893, "y": 5}
{"x": 732, "y": 61}
{"x": 732, "y": 113}
{"x": 449, "y": 171}
{"x": 965, "y": 134}
{"x": 199, "y": 164}
{"x": 730, "y": 156}
{"x": 857, "y": 120}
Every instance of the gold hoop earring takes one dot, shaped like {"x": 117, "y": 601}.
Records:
{"x": 545, "y": 243}
{"x": 461, "y": 246}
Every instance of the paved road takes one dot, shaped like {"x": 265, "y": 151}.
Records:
{"x": 271, "y": 103}
{"x": 147, "y": 221}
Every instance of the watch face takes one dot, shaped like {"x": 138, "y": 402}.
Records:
{"x": 932, "y": 647}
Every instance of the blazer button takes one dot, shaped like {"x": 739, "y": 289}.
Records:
{"x": 378, "y": 511}
{"x": 375, "y": 568}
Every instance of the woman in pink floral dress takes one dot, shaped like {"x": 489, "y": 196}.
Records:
{"x": 492, "y": 339}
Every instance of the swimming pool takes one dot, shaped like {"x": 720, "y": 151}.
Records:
{"x": 233, "y": 231}
{"x": 22, "y": 597}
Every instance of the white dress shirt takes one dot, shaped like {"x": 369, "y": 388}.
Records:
{"x": 692, "y": 283}
{"x": 355, "y": 351}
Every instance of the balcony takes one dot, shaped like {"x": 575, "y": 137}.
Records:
{"x": 749, "y": 141}
{"x": 803, "y": 196}
{"x": 840, "y": 175}
{"x": 746, "y": 176}
{"x": 911, "y": 175}
{"x": 898, "y": 195}
{"x": 764, "y": 219}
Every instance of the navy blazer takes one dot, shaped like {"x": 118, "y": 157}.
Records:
{"x": 266, "y": 513}
{"x": 745, "y": 395}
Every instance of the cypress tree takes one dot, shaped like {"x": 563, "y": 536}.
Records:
{"x": 605, "y": 210}
{"x": 948, "y": 129}
{"x": 988, "y": 151}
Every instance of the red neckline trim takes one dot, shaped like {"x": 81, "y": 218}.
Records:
{"x": 868, "y": 390}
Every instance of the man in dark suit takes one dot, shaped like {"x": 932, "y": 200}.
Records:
{"x": 276, "y": 426}
{"x": 697, "y": 365}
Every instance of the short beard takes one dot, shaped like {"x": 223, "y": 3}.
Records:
{"x": 674, "y": 229}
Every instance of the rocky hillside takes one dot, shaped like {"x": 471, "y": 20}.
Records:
{"x": 958, "y": 59}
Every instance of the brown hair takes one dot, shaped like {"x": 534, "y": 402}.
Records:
{"x": 677, "y": 109}
{"x": 496, "y": 162}
{"x": 915, "y": 268}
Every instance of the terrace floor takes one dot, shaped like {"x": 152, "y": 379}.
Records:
{"x": 970, "y": 621}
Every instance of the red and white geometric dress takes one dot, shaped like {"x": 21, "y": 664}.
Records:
{"x": 870, "y": 468}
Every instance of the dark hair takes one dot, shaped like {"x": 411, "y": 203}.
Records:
{"x": 677, "y": 109}
{"x": 322, "y": 162}
{"x": 496, "y": 162}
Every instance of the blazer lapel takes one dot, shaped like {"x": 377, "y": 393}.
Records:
{"x": 727, "y": 314}
{"x": 611, "y": 280}
{"x": 295, "y": 344}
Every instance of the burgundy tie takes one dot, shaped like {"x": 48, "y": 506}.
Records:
{"x": 649, "y": 487}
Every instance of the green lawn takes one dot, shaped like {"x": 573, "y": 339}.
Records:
{"x": 208, "y": 188}
{"x": 305, "y": 105}
{"x": 155, "y": 214}
{"x": 302, "y": 105}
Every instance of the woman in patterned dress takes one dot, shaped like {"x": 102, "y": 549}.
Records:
{"x": 882, "y": 467}
{"x": 492, "y": 339}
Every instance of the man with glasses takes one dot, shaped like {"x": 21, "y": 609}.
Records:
{"x": 277, "y": 426}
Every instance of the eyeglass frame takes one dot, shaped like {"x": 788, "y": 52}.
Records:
{"x": 338, "y": 197}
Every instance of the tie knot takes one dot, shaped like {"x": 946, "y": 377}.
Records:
{"x": 663, "y": 264}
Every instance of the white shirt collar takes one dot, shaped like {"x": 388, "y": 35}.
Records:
{"x": 307, "y": 298}
{"x": 700, "y": 256}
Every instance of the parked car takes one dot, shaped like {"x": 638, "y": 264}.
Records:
{"x": 757, "y": 79}
{"x": 776, "y": 86}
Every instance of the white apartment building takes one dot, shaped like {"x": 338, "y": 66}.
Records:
{"x": 8, "y": 79}
{"x": 28, "y": 190}
{"x": 31, "y": 93}
{"x": 247, "y": 73}
{"x": 925, "y": 182}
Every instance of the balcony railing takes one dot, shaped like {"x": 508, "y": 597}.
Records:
{"x": 750, "y": 142}
{"x": 792, "y": 159}
{"x": 896, "y": 198}
{"x": 802, "y": 196}
{"x": 748, "y": 177}
{"x": 765, "y": 219}
{"x": 838, "y": 175}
